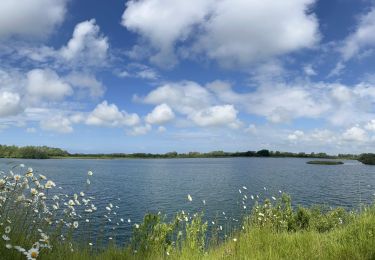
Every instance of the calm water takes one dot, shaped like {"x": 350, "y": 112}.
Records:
{"x": 139, "y": 186}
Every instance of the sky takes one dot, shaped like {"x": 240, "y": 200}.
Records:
{"x": 189, "y": 75}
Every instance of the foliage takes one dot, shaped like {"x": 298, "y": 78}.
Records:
{"x": 44, "y": 152}
{"x": 30, "y": 152}
{"x": 367, "y": 158}
{"x": 281, "y": 217}
{"x": 263, "y": 153}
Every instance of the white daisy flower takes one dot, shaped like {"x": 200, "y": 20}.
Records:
{"x": 7, "y": 229}
{"x": 49, "y": 184}
{"x": 32, "y": 253}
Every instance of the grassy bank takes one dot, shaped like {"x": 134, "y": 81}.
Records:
{"x": 354, "y": 240}
{"x": 34, "y": 224}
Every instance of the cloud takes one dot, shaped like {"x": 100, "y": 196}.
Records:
{"x": 162, "y": 129}
{"x": 57, "y": 124}
{"x": 351, "y": 104}
{"x": 323, "y": 136}
{"x": 355, "y": 134}
{"x": 337, "y": 104}
{"x": 370, "y": 126}
{"x": 194, "y": 101}
{"x": 35, "y": 18}
{"x": 309, "y": 70}
{"x": 10, "y": 104}
{"x": 296, "y": 135}
{"x": 30, "y": 130}
{"x": 164, "y": 22}
{"x": 337, "y": 70}
{"x": 216, "y": 28}
{"x": 46, "y": 84}
{"x": 278, "y": 102}
{"x": 87, "y": 46}
{"x": 362, "y": 37}
{"x": 272, "y": 29}
{"x": 160, "y": 114}
{"x": 106, "y": 114}
{"x": 225, "y": 115}
{"x": 251, "y": 129}
{"x": 140, "y": 130}
{"x": 86, "y": 83}
{"x": 185, "y": 97}
{"x": 342, "y": 93}
{"x": 136, "y": 70}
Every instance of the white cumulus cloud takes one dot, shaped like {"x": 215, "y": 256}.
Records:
{"x": 160, "y": 114}
{"x": 109, "y": 115}
{"x": 57, "y": 124}
{"x": 86, "y": 83}
{"x": 356, "y": 134}
{"x": 45, "y": 83}
{"x": 233, "y": 32}
{"x": 163, "y": 22}
{"x": 240, "y": 32}
{"x": 140, "y": 130}
{"x": 296, "y": 135}
{"x": 10, "y": 104}
{"x": 225, "y": 115}
{"x": 184, "y": 97}
{"x": 370, "y": 126}
{"x": 30, "y": 18}
{"x": 86, "y": 46}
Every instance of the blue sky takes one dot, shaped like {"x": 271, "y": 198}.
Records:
{"x": 197, "y": 75}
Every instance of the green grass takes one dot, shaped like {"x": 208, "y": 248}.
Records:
{"x": 355, "y": 240}
{"x": 272, "y": 230}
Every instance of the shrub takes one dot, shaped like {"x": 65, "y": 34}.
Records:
{"x": 367, "y": 158}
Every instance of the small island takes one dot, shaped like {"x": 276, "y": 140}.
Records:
{"x": 325, "y": 162}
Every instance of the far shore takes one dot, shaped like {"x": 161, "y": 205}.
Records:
{"x": 179, "y": 157}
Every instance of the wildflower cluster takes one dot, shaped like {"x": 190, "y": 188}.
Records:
{"x": 34, "y": 215}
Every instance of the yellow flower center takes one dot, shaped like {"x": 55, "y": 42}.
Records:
{"x": 34, "y": 254}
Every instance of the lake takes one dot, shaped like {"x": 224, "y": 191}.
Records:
{"x": 138, "y": 186}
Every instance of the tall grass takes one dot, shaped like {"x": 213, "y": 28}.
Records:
{"x": 36, "y": 223}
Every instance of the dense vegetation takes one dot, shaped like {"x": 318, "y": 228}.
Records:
{"x": 44, "y": 152}
{"x": 31, "y": 152}
{"x": 39, "y": 225}
{"x": 367, "y": 158}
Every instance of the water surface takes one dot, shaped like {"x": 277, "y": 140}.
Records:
{"x": 139, "y": 186}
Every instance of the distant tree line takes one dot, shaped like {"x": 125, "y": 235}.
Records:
{"x": 218, "y": 154}
{"x": 31, "y": 152}
{"x": 44, "y": 152}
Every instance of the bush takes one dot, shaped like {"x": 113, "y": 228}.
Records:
{"x": 281, "y": 217}
{"x": 367, "y": 158}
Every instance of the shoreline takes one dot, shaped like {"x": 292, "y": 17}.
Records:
{"x": 170, "y": 158}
